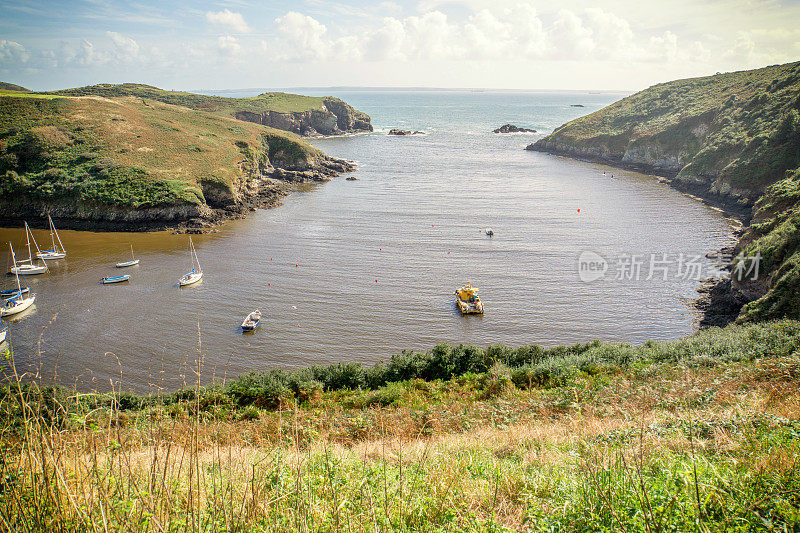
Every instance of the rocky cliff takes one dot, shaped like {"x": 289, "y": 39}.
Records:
{"x": 732, "y": 139}
{"x": 125, "y": 163}
{"x": 303, "y": 115}
{"x": 334, "y": 117}
{"x": 719, "y": 137}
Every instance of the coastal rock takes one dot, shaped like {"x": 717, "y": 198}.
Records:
{"x": 335, "y": 117}
{"x": 511, "y": 128}
{"x": 577, "y": 105}
{"x": 405, "y": 132}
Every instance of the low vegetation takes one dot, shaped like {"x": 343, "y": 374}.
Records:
{"x": 701, "y": 434}
{"x": 127, "y": 151}
{"x": 277, "y": 101}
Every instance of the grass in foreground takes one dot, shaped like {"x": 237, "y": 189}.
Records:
{"x": 699, "y": 434}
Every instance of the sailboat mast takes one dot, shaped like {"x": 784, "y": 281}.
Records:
{"x": 52, "y": 236}
{"x": 60, "y": 244}
{"x": 14, "y": 258}
{"x": 28, "y": 237}
{"x": 132, "y": 258}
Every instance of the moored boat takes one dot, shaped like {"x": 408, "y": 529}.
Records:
{"x": 57, "y": 251}
{"x": 252, "y": 321}
{"x": 130, "y": 263}
{"x": 27, "y": 266}
{"x": 196, "y": 274}
{"x": 3, "y": 332}
{"x": 19, "y": 302}
{"x": 468, "y": 301}
{"x": 115, "y": 279}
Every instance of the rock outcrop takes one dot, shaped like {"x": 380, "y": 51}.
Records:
{"x": 511, "y": 128}
{"x": 405, "y": 132}
{"x": 334, "y": 117}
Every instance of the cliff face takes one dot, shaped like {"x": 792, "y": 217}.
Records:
{"x": 334, "y": 117}
{"x": 732, "y": 139}
{"x": 128, "y": 164}
{"x": 721, "y": 137}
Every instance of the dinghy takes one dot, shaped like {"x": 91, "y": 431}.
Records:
{"x": 115, "y": 279}
{"x": 252, "y": 321}
{"x": 196, "y": 274}
{"x": 56, "y": 252}
{"x": 130, "y": 263}
{"x": 27, "y": 266}
{"x": 19, "y": 302}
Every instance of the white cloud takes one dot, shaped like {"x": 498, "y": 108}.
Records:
{"x": 228, "y": 46}
{"x": 228, "y": 19}
{"x": 125, "y": 47}
{"x": 11, "y": 52}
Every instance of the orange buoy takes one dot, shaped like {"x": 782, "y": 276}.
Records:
{"x": 579, "y": 210}
{"x": 299, "y": 265}
{"x": 267, "y": 284}
{"x": 376, "y": 281}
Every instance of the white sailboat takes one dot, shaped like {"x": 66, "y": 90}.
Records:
{"x": 20, "y": 302}
{"x": 56, "y": 252}
{"x": 130, "y": 263}
{"x": 27, "y": 266}
{"x": 196, "y": 274}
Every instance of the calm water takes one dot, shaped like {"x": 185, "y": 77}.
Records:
{"x": 412, "y": 222}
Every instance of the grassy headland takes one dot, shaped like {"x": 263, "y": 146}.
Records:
{"x": 697, "y": 434}
{"x": 131, "y": 160}
{"x": 732, "y": 139}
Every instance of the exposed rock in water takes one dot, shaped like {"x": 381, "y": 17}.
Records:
{"x": 335, "y": 118}
{"x": 577, "y": 105}
{"x": 405, "y": 132}
{"x": 351, "y": 178}
{"x": 511, "y": 128}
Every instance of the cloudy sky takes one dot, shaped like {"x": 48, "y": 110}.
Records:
{"x": 514, "y": 44}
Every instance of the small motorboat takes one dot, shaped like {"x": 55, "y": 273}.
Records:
{"x": 115, "y": 279}
{"x": 130, "y": 263}
{"x": 252, "y": 321}
{"x": 489, "y": 232}
{"x": 468, "y": 301}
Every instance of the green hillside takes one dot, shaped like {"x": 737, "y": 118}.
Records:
{"x": 732, "y": 134}
{"x": 731, "y": 138}
{"x": 95, "y": 153}
{"x": 5, "y": 86}
{"x": 278, "y": 102}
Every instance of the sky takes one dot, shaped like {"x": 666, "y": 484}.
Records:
{"x": 498, "y": 44}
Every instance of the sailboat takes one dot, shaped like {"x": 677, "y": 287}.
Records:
{"x": 19, "y": 302}
{"x": 130, "y": 263}
{"x": 27, "y": 266}
{"x": 56, "y": 252}
{"x": 196, "y": 274}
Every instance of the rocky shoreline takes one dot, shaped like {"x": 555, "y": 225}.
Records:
{"x": 262, "y": 191}
{"x": 719, "y": 301}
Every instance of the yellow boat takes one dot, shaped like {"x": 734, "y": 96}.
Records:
{"x": 468, "y": 301}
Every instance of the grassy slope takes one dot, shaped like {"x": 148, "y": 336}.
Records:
{"x": 5, "y": 86}
{"x": 279, "y": 102}
{"x": 726, "y": 126}
{"x": 700, "y": 434}
{"x": 744, "y": 129}
{"x": 126, "y": 151}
